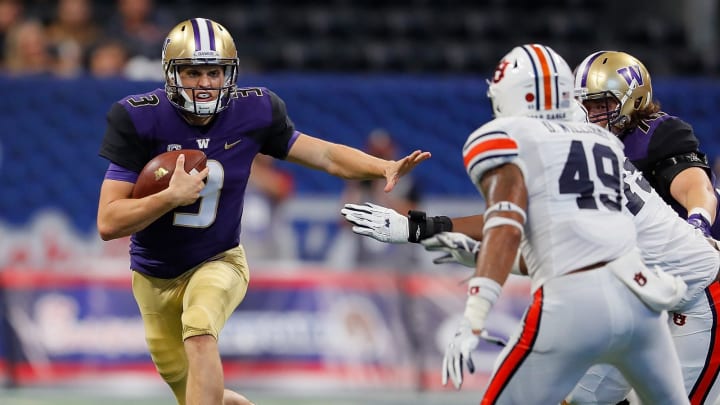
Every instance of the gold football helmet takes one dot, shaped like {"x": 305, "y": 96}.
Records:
{"x": 616, "y": 75}
{"x": 199, "y": 41}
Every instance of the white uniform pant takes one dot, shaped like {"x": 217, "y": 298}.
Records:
{"x": 576, "y": 321}
{"x": 697, "y": 342}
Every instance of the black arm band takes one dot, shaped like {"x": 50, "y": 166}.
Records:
{"x": 422, "y": 227}
{"x": 690, "y": 159}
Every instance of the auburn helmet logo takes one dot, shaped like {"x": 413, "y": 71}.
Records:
{"x": 500, "y": 71}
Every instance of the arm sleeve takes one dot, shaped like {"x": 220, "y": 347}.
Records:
{"x": 277, "y": 138}
{"x": 121, "y": 144}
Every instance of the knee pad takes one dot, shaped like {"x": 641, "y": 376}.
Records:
{"x": 169, "y": 358}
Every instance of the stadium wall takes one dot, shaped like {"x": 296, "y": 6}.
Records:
{"x": 308, "y": 329}
{"x": 50, "y": 130}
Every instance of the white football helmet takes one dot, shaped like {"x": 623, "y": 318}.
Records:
{"x": 532, "y": 81}
{"x": 199, "y": 41}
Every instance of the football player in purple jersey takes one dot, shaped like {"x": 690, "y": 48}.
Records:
{"x": 616, "y": 90}
{"x": 189, "y": 269}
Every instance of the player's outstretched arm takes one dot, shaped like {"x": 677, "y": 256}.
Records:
{"x": 434, "y": 233}
{"x": 350, "y": 163}
{"x": 387, "y": 225}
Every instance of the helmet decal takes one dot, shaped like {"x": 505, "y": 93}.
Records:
{"x": 204, "y": 34}
{"x": 500, "y": 71}
{"x": 585, "y": 66}
{"x": 544, "y": 69}
{"x": 165, "y": 45}
{"x": 532, "y": 80}
{"x": 631, "y": 74}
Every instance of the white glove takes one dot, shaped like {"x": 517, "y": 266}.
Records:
{"x": 459, "y": 248}
{"x": 457, "y": 351}
{"x": 377, "y": 222}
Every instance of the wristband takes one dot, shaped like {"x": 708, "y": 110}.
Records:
{"x": 421, "y": 227}
{"x": 700, "y": 219}
{"x": 702, "y": 212}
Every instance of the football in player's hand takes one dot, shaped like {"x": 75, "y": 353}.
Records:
{"x": 156, "y": 174}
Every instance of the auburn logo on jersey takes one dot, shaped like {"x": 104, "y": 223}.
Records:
{"x": 679, "y": 319}
{"x": 640, "y": 279}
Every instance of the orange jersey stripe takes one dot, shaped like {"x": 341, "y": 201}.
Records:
{"x": 518, "y": 353}
{"x": 490, "y": 144}
{"x": 547, "y": 84}
{"x": 707, "y": 377}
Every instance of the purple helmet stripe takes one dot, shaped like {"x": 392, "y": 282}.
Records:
{"x": 590, "y": 59}
{"x": 211, "y": 34}
{"x": 196, "y": 32}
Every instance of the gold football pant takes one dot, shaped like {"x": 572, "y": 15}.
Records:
{"x": 198, "y": 302}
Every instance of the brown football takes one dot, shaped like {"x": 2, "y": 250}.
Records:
{"x": 156, "y": 174}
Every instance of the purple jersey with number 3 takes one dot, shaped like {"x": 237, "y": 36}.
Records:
{"x": 143, "y": 126}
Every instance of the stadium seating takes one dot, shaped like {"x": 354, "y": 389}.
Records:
{"x": 431, "y": 36}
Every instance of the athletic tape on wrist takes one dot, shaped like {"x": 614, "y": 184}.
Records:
{"x": 482, "y": 294}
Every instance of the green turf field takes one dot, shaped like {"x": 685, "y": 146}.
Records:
{"x": 74, "y": 396}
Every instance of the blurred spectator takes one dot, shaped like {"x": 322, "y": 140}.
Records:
{"x": 107, "y": 59}
{"x": 11, "y": 14}
{"x": 406, "y": 196}
{"x": 140, "y": 26}
{"x": 268, "y": 187}
{"x": 27, "y": 51}
{"x": 71, "y": 33}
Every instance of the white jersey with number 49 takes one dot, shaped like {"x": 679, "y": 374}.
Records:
{"x": 574, "y": 177}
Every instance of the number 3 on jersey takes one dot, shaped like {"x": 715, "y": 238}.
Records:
{"x": 585, "y": 172}
{"x": 209, "y": 197}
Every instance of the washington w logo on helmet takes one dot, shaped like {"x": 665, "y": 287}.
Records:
{"x": 631, "y": 74}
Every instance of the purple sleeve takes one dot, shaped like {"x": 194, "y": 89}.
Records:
{"x": 293, "y": 138}
{"x": 115, "y": 172}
